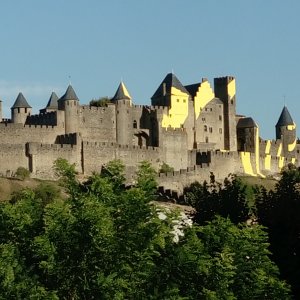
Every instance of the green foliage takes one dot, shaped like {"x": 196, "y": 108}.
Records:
{"x": 47, "y": 192}
{"x": 101, "y": 102}
{"x": 67, "y": 175}
{"x": 228, "y": 200}
{"x": 279, "y": 210}
{"x": 165, "y": 168}
{"x": 114, "y": 171}
{"x": 108, "y": 243}
{"x": 22, "y": 173}
{"x": 146, "y": 179}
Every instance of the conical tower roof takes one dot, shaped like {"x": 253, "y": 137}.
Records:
{"x": 285, "y": 118}
{"x": 165, "y": 87}
{"x": 52, "y": 103}
{"x": 21, "y": 102}
{"x": 69, "y": 94}
{"x": 121, "y": 93}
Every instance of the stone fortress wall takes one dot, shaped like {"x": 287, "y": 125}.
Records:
{"x": 192, "y": 128}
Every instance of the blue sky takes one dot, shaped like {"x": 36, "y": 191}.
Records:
{"x": 98, "y": 43}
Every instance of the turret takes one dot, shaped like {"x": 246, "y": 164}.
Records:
{"x": 69, "y": 102}
{"x": 286, "y": 132}
{"x": 52, "y": 104}
{"x": 124, "y": 122}
{"x": 20, "y": 110}
{"x": 225, "y": 90}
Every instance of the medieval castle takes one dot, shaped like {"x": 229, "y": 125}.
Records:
{"x": 192, "y": 128}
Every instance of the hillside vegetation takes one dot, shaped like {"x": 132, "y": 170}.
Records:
{"x": 105, "y": 241}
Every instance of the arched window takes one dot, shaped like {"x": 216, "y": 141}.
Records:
{"x": 134, "y": 124}
{"x": 205, "y": 128}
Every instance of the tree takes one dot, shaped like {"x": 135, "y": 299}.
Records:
{"x": 228, "y": 200}
{"x": 279, "y": 211}
{"x": 99, "y": 243}
{"x": 100, "y": 102}
{"x": 146, "y": 179}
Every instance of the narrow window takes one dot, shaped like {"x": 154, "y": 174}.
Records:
{"x": 210, "y": 129}
{"x": 220, "y": 118}
{"x": 205, "y": 128}
{"x": 220, "y": 130}
{"x": 134, "y": 124}
{"x": 206, "y": 140}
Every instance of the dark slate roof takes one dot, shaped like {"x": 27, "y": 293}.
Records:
{"x": 69, "y": 94}
{"x": 121, "y": 93}
{"x": 170, "y": 81}
{"x": 52, "y": 103}
{"x": 21, "y": 102}
{"x": 193, "y": 88}
{"x": 285, "y": 118}
{"x": 246, "y": 123}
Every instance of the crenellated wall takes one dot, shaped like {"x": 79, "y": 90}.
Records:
{"x": 97, "y": 154}
{"x": 11, "y": 133}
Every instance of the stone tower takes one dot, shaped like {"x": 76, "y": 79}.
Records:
{"x": 69, "y": 102}
{"x": 246, "y": 135}
{"x": 124, "y": 123}
{"x": 286, "y": 132}
{"x": 225, "y": 90}
{"x": 20, "y": 110}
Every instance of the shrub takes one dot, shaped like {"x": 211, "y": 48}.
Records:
{"x": 22, "y": 173}
{"x": 165, "y": 168}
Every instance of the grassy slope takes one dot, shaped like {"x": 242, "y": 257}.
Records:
{"x": 10, "y": 185}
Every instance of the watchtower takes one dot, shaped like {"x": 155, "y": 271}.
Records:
{"x": 20, "y": 110}
{"x": 286, "y": 132}
{"x": 124, "y": 126}
{"x": 69, "y": 102}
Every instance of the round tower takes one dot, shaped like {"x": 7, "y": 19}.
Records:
{"x": 286, "y": 132}
{"x": 124, "y": 122}
{"x": 20, "y": 110}
{"x": 69, "y": 102}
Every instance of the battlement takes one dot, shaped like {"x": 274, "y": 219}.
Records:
{"x": 171, "y": 129}
{"x": 55, "y": 147}
{"x": 222, "y": 80}
{"x": 38, "y": 127}
{"x": 95, "y": 109}
{"x": 118, "y": 146}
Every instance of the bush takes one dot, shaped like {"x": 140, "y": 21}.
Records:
{"x": 22, "y": 173}
{"x": 165, "y": 168}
